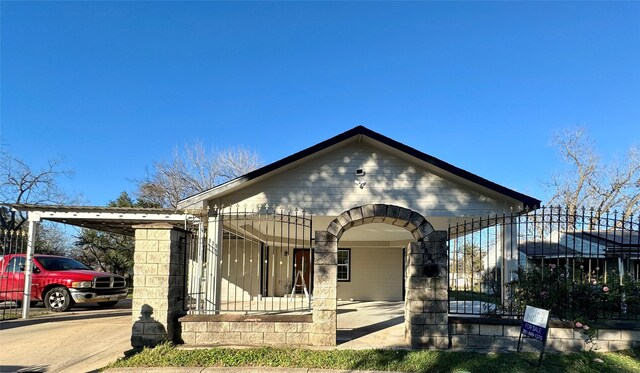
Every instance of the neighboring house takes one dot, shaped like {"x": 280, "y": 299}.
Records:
{"x": 599, "y": 252}
{"x": 356, "y": 168}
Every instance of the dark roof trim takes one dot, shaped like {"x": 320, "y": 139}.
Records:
{"x": 527, "y": 201}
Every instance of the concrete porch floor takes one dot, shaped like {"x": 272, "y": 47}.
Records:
{"x": 364, "y": 325}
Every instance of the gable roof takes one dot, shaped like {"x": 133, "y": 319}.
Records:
{"x": 527, "y": 201}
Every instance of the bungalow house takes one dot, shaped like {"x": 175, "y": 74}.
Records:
{"x": 265, "y": 258}
{"x": 356, "y": 168}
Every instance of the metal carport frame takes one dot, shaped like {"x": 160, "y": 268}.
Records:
{"x": 109, "y": 219}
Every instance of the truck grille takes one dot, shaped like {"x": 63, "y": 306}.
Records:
{"x": 109, "y": 282}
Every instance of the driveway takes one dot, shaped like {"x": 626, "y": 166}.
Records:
{"x": 83, "y": 340}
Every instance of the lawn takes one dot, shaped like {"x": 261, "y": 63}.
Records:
{"x": 167, "y": 355}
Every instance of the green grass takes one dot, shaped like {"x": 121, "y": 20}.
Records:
{"x": 167, "y": 355}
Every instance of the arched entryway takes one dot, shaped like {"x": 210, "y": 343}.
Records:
{"x": 424, "y": 262}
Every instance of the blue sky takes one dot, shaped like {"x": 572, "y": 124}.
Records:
{"x": 114, "y": 86}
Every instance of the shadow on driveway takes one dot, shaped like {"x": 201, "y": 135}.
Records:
{"x": 79, "y": 312}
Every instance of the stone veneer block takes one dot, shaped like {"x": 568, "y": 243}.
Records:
{"x": 439, "y": 237}
{"x": 491, "y": 330}
{"x": 609, "y": 335}
{"x": 379, "y": 212}
{"x": 560, "y": 333}
{"x": 275, "y": 338}
{"x": 282, "y": 327}
{"x": 325, "y": 257}
{"x": 240, "y": 326}
{"x": 403, "y": 217}
{"x": 323, "y": 238}
{"x": 335, "y": 229}
{"x": 368, "y": 213}
{"x": 263, "y": 327}
{"x": 252, "y": 338}
{"x": 467, "y": 329}
{"x": 317, "y": 339}
{"x": 391, "y": 214}
{"x": 356, "y": 216}
{"x": 630, "y": 335}
{"x": 297, "y": 338}
{"x": 415, "y": 220}
{"x": 345, "y": 220}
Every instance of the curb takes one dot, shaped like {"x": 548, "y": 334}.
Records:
{"x": 236, "y": 370}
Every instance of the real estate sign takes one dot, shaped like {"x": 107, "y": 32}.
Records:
{"x": 534, "y": 323}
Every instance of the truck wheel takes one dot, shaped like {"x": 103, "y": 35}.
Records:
{"x": 107, "y": 304}
{"x": 58, "y": 299}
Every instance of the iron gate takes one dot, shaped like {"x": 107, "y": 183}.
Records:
{"x": 11, "y": 279}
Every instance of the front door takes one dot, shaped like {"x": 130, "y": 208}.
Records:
{"x": 302, "y": 270}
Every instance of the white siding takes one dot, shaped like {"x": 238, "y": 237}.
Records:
{"x": 326, "y": 185}
{"x": 242, "y": 270}
{"x": 376, "y": 274}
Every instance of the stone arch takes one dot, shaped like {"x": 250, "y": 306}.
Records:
{"x": 410, "y": 220}
{"x": 426, "y": 275}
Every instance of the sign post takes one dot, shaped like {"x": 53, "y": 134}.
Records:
{"x": 535, "y": 324}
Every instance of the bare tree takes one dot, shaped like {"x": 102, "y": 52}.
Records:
{"x": 587, "y": 182}
{"x": 20, "y": 183}
{"x": 192, "y": 171}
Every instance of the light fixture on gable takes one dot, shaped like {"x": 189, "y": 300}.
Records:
{"x": 361, "y": 183}
{"x": 360, "y": 172}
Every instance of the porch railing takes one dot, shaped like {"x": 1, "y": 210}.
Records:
{"x": 577, "y": 264}
{"x": 261, "y": 263}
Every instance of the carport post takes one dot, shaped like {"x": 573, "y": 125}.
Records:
{"x": 34, "y": 218}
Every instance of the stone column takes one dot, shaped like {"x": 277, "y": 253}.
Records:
{"x": 426, "y": 298}
{"x": 325, "y": 281}
{"x": 159, "y": 290}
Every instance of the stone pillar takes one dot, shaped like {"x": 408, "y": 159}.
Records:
{"x": 159, "y": 290}
{"x": 426, "y": 299}
{"x": 325, "y": 281}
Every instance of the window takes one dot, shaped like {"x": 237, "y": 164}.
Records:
{"x": 54, "y": 263}
{"x": 16, "y": 265}
{"x": 344, "y": 264}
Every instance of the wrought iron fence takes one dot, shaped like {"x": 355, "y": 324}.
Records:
{"x": 578, "y": 264}
{"x": 11, "y": 283}
{"x": 257, "y": 261}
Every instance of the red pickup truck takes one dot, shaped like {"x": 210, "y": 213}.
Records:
{"x": 59, "y": 282}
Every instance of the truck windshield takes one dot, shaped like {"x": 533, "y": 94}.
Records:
{"x": 51, "y": 263}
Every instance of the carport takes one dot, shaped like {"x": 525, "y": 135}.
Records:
{"x": 119, "y": 220}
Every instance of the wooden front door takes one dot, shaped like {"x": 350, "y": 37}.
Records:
{"x": 302, "y": 264}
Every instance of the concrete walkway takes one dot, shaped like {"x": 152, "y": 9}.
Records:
{"x": 83, "y": 340}
{"x": 364, "y": 325}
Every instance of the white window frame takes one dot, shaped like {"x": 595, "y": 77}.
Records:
{"x": 347, "y": 265}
